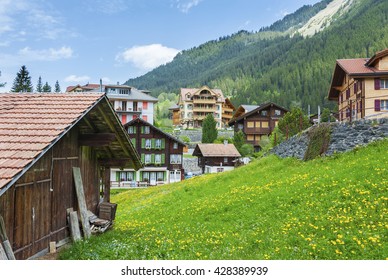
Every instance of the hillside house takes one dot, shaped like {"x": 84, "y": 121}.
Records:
{"x": 214, "y": 158}
{"x": 195, "y": 103}
{"x": 128, "y": 102}
{"x": 161, "y": 153}
{"x": 360, "y": 87}
{"x": 42, "y": 137}
{"x": 258, "y": 122}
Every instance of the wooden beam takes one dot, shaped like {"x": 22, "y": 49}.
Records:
{"x": 79, "y": 188}
{"x": 106, "y": 185}
{"x": 96, "y": 139}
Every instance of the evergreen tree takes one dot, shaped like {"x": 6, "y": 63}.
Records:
{"x": 39, "y": 85}
{"x": 46, "y": 87}
{"x": 239, "y": 140}
{"x": 57, "y": 87}
{"x": 2, "y": 84}
{"x": 22, "y": 82}
{"x": 209, "y": 129}
{"x": 293, "y": 122}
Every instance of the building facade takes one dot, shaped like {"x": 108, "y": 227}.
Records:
{"x": 258, "y": 122}
{"x": 161, "y": 154}
{"x": 196, "y": 103}
{"x": 215, "y": 158}
{"x": 360, "y": 87}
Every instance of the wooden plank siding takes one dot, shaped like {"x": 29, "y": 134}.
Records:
{"x": 36, "y": 204}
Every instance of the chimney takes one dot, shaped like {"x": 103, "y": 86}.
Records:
{"x": 100, "y": 85}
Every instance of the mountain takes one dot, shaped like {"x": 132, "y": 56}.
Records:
{"x": 289, "y": 62}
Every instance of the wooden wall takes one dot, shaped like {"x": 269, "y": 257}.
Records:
{"x": 34, "y": 208}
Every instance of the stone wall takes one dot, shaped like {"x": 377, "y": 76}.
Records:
{"x": 344, "y": 137}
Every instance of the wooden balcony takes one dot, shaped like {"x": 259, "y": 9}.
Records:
{"x": 204, "y": 101}
{"x": 204, "y": 109}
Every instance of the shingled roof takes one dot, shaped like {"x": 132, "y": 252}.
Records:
{"x": 216, "y": 150}
{"x": 31, "y": 123}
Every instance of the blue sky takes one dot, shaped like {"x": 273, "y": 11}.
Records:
{"x": 81, "y": 41}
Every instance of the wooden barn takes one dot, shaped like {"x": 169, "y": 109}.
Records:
{"x": 42, "y": 137}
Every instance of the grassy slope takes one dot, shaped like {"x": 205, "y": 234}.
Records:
{"x": 329, "y": 208}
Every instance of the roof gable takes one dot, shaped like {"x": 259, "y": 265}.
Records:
{"x": 257, "y": 109}
{"x": 216, "y": 150}
{"x": 139, "y": 120}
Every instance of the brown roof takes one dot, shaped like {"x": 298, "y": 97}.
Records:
{"x": 192, "y": 91}
{"x": 216, "y": 150}
{"x": 31, "y": 122}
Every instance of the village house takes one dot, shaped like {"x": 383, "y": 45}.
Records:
{"x": 128, "y": 102}
{"x": 258, "y": 122}
{"x": 196, "y": 103}
{"x": 360, "y": 87}
{"x": 44, "y": 138}
{"x": 161, "y": 153}
{"x": 214, "y": 158}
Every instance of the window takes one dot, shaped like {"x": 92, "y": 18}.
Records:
{"x": 264, "y": 113}
{"x": 264, "y": 124}
{"x": 160, "y": 176}
{"x": 220, "y": 170}
{"x": 189, "y": 107}
{"x": 124, "y": 105}
{"x": 145, "y": 105}
{"x": 251, "y": 124}
{"x": 158, "y": 158}
{"x": 240, "y": 126}
{"x": 225, "y": 160}
{"x": 250, "y": 138}
{"x": 175, "y": 146}
{"x": 131, "y": 130}
{"x": 278, "y": 112}
{"x": 384, "y": 105}
{"x": 147, "y": 158}
{"x": 158, "y": 143}
{"x": 175, "y": 159}
{"x": 383, "y": 84}
{"x": 126, "y": 175}
{"x": 146, "y": 129}
{"x": 148, "y": 143}
{"x": 146, "y": 176}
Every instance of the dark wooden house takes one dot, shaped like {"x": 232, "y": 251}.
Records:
{"x": 42, "y": 137}
{"x": 258, "y": 122}
{"x": 214, "y": 158}
{"x": 160, "y": 152}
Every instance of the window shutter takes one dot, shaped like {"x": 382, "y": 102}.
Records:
{"x": 163, "y": 143}
{"x": 153, "y": 143}
{"x": 134, "y": 129}
{"x": 142, "y": 143}
{"x": 355, "y": 87}
{"x": 163, "y": 158}
{"x": 361, "y": 85}
{"x": 142, "y": 129}
{"x": 133, "y": 140}
{"x": 347, "y": 93}
{"x": 142, "y": 158}
{"x": 377, "y": 105}
{"x": 153, "y": 158}
{"x": 377, "y": 84}
{"x": 118, "y": 176}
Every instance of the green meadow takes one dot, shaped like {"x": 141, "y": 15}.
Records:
{"x": 280, "y": 209}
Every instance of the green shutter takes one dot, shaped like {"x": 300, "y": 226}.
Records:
{"x": 153, "y": 143}
{"x": 142, "y": 158}
{"x": 142, "y": 143}
{"x": 118, "y": 176}
{"x": 163, "y": 143}
{"x": 142, "y": 129}
{"x": 133, "y": 140}
{"x": 163, "y": 158}
{"x": 134, "y": 129}
{"x": 153, "y": 158}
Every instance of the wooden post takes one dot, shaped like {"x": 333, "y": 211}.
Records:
{"x": 74, "y": 226}
{"x": 106, "y": 184}
{"x": 81, "y": 201}
{"x": 7, "y": 245}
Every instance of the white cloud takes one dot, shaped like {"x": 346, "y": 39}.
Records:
{"x": 109, "y": 7}
{"x": 147, "y": 57}
{"x": 77, "y": 79}
{"x": 46, "y": 54}
{"x": 186, "y": 5}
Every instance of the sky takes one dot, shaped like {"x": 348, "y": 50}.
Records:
{"x": 83, "y": 41}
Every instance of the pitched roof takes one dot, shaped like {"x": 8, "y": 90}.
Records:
{"x": 257, "y": 109}
{"x": 216, "y": 150}
{"x": 193, "y": 91}
{"x": 134, "y": 93}
{"x": 31, "y": 123}
{"x": 139, "y": 120}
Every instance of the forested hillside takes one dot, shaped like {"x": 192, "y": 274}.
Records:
{"x": 270, "y": 65}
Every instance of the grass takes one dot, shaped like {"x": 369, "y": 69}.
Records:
{"x": 327, "y": 208}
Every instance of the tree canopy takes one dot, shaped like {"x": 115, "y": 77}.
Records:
{"x": 22, "y": 82}
{"x": 209, "y": 129}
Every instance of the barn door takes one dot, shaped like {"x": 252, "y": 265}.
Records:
{"x": 32, "y": 213}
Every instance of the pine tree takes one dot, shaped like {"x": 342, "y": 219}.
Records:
{"x": 2, "y": 84}
{"x": 209, "y": 129}
{"x": 22, "y": 82}
{"x": 46, "y": 87}
{"x": 57, "y": 87}
{"x": 39, "y": 85}
{"x": 239, "y": 140}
